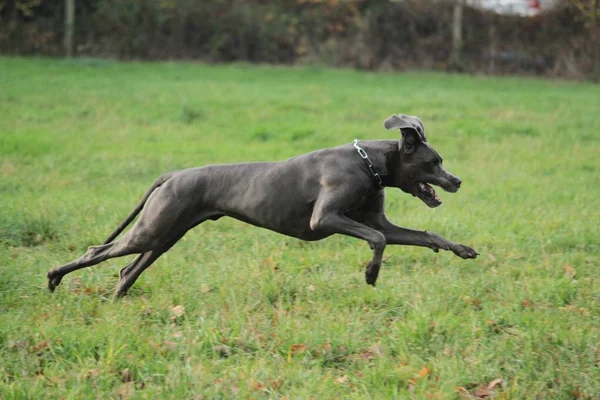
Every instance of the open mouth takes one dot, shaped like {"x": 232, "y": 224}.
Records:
{"x": 428, "y": 194}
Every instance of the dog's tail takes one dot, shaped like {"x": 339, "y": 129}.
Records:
{"x": 162, "y": 179}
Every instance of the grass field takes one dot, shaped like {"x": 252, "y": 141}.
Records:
{"x": 233, "y": 311}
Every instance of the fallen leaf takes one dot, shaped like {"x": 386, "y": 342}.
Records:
{"x": 298, "y": 348}
{"x": 481, "y": 392}
{"x": 170, "y": 345}
{"x": 56, "y": 380}
{"x": 431, "y": 326}
{"x": 275, "y": 383}
{"x": 17, "y": 344}
{"x": 177, "y": 312}
{"x": 126, "y": 375}
{"x": 376, "y": 350}
{"x": 269, "y": 263}
{"x": 93, "y": 373}
{"x": 223, "y": 350}
{"x": 40, "y": 346}
{"x": 257, "y": 386}
{"x": 341, "y": 379}
{"x": 204, "y": 288}
{"x": 495, "y": 383}
{"x": 424, "y": 372}
{"x": 125, "y": 390}
{"x": 570, "y": 271}
{"x": 526, "y": 303}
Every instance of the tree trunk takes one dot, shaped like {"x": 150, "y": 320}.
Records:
{"x": 493, "y": 48}
{"x": 456, "y": 59}
{"x": 69, "y": 26}
{"x": 595, "y": 41}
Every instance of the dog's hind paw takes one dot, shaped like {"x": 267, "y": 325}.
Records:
{"x": 53, "y": 281}
{"x": 371, "y": 273}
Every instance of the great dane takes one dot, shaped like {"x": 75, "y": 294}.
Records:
{"x": 309, "y": 197}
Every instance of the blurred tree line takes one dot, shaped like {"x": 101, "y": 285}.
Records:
{"x": 367, "y": 34}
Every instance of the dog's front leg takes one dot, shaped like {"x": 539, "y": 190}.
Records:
{"x": 403, "y": 236}
{"x": 336, "y": 222}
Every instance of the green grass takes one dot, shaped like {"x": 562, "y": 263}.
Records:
{"x": 267, "y": 316}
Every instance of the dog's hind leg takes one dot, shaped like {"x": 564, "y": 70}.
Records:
{"x": 93, "y": 256}
{"x": 132, "y": 271}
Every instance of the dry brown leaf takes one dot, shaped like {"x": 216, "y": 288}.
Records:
{"x": 341, "y": 379}
{"x": 223, "y": 350}
{"x": 481, "y": 392}
{"x": 412, "y": 385}
{"x": 431, "y": 326}
{"x": 275, "y": 383}
{"x": 298, "y": 348}
{"x": 257, "y": 386}
{"x": 376, "y": 350}
{"x": 204, "y": 288}
{"x": 125, "y": 391}
{"x": 126, "y": 375}
{"x": 269, "y": 263}
{"x": 424, "y": 372}
{"x": 526, "y": 303}
{"x": 93, "y": 373}
{"x": 495, "y": 383}
{"x": 170, "y": 345}
{"x": 570, "y": 271}
{"x": 177, "y": 312}
{"x": 17, "y": 344}
{"x": 40, "y": 346}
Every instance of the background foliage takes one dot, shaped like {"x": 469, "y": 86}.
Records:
{"x": 368, "y": 34}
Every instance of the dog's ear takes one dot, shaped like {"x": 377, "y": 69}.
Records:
{"x": 412, "y": 129}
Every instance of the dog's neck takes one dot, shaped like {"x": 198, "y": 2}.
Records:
{"x": 386, "y": 163}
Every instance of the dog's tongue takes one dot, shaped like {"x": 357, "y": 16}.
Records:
{"x": 431, "y": 191}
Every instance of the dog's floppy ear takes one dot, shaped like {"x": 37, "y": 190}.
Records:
{"x": 412, "y": 129}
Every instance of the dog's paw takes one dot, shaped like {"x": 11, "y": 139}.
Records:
{"x": 371, "y": 273}
{"x": 53, "y": 281}
{"x": 464, "y": 251}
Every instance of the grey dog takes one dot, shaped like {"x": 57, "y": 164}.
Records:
{"x": 309, "y": 197}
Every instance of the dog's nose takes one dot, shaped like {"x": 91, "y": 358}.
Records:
{"x": 457, "y": 181}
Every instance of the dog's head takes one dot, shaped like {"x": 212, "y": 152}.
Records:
{"x": 418, "y": 165}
